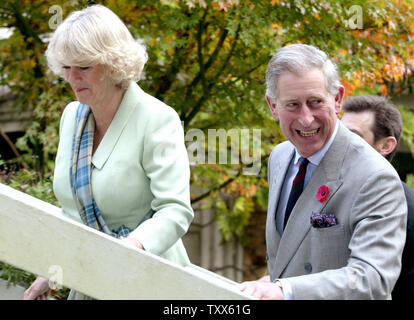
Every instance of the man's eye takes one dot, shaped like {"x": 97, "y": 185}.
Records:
{"x": 84, "y": 68}
{"x": 292, "y": 105}
{"x": 66, "y": 67}
{"x": 315, "y": 102}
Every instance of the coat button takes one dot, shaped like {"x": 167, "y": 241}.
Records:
{"x": 308, "y": 267}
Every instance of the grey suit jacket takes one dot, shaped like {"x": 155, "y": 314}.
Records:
{"x": 360, "y": 257}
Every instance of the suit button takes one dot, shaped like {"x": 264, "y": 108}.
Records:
{"x": 308, "y": 267}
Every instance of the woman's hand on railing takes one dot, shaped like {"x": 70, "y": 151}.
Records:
{"x": 39, "y": 290}
{"x": 133, "y": 242}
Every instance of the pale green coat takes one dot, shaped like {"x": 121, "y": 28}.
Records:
{"x": 141, "y": 163}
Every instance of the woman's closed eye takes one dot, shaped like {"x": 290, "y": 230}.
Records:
{"x": 81, "y": 68}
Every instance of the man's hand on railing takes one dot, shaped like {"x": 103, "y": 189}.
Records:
{"x": 39, "y": 290}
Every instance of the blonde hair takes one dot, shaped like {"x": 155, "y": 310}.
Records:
{"x": 96, "y": 35}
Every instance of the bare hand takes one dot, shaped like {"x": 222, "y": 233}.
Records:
{"x": 133, "y": 242}
{"x": 39, "y": 290}
{"x": 265, "y": 279}
{"x": 262, "y": 290}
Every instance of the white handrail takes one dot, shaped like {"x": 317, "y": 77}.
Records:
{"x": 36, "y": 237}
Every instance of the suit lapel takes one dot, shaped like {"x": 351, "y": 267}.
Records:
{"x": 116, "y": 127}
{"x": 279, "y": 171}
{"x": 328, "y": 173}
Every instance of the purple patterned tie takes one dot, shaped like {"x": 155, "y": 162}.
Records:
{"x": 297, "y": 188}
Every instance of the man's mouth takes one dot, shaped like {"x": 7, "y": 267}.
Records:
{"x": 308, "y": 133}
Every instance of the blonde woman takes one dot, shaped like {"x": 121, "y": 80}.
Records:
{"x": 121, "y": 166}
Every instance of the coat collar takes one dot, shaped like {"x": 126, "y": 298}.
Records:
{"x": 328, "y": 173}
{"x": 276, "y": 184}
{"x": 107, "y": 145}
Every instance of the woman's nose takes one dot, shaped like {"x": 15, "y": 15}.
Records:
{"x": 71, "y": 74}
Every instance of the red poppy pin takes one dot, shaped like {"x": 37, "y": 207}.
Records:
{"x": 322, "y": 194}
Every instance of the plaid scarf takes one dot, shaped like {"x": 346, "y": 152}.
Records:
{"x": 80, "y": 174}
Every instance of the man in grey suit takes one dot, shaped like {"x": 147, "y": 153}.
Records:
{"x": 337, "y": 213}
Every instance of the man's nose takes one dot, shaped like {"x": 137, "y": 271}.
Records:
{"x": 306, "y": 116}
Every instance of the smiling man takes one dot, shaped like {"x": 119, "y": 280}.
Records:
{"x": 336, "y": 214}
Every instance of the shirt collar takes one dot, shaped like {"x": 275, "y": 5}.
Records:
{"x": 318, "y": 156}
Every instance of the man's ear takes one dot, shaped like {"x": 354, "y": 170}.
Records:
{"x": 272, "y": 107}
{"x": 386, "y": 145}
{"x": 339, "y": 98}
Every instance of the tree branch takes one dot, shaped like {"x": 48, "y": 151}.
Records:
{"x": 12, "y": 146}
{"x": 206, "y": 93}
{"x": 167, "y": 80}
{"x": 203, "y": 67}
{"x": 27, "y": 32}
{"x": 210, "y": 61}
{"x": 221, "y": 186}
{"x": 230, "y": 54}
{"x": 225, "y": 183}
{"x": 200, "y": 52}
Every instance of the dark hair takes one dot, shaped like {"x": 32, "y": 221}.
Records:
{"x": 388, "y": 120}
